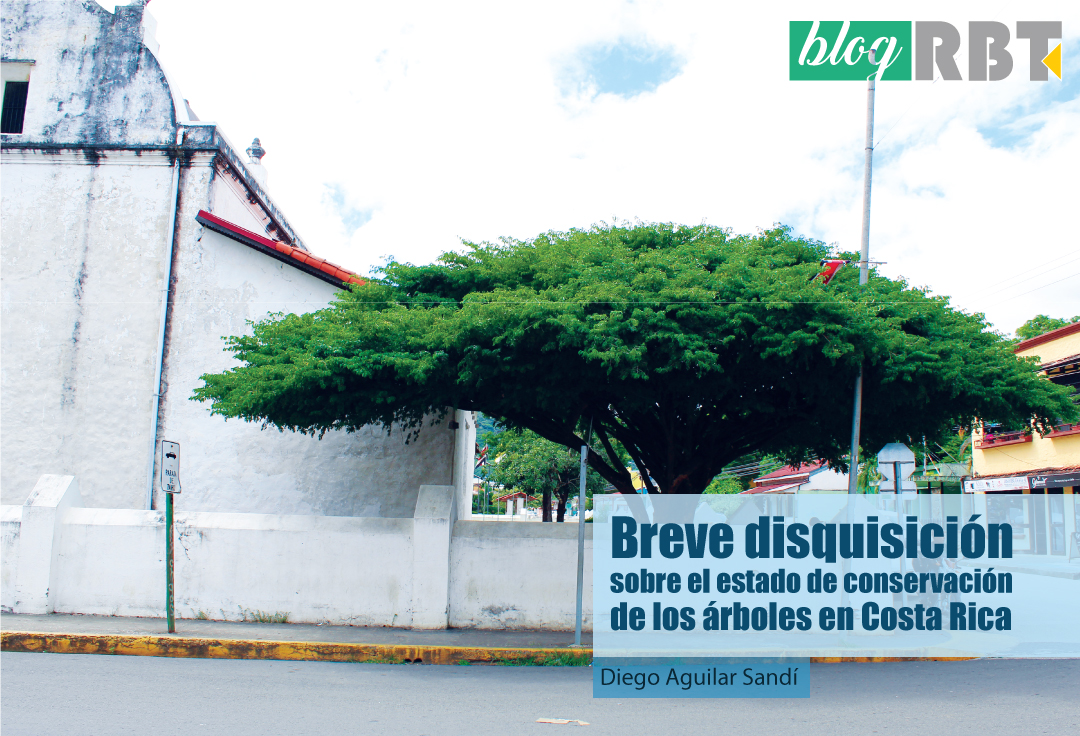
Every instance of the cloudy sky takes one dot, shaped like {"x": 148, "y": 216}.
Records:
{"x": 402, "y": 128}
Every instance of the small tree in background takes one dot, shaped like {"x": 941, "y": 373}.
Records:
{"x": 724, "y": 484}
{"x": 1041, "y": 324}
{"x": 524, "y": 461}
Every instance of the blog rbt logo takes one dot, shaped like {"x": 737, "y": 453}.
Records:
{"x": 920, "y": 50}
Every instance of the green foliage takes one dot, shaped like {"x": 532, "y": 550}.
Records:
{"x": 484, "y": 426}
{"x": 523, "y": 460}
{"x": 1042, "y": 324}
{"x": 724, "y": 484}
{"x": 869, "y": 476}
{"x": 543, "y": 659}
{"x": 265, "y": 617}
{"x": 687, "y": 346}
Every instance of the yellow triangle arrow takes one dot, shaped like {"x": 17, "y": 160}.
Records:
{"x": 1053, "y": 61}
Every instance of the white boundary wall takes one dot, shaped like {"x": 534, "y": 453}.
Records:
{"x": 426, "y": 571}
{"x": 516, "y": 575}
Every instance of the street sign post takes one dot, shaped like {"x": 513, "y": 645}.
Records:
{"x": 170, "y": 484}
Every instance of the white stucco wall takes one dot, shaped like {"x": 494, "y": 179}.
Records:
{"x": 826, "y": 479}
{"x": 112, "y": 561}
{"x": 344, "y": 570}
{"x": 93, "y": 78}
{"x": 10, "y": 527}
{"x": 236, "y": 466}
{"x": 427, "y": 571}
{"x": 84, "y": 243}
{"x": 509, "y": 575}
{"x": 464, "y": 463}
{"x": 86, "y": 200}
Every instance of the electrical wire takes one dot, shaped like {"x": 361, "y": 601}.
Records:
{"x": 1029, "y": 278}
{"x": 1038, "y": 288}
{"x": 1034, "y": 268}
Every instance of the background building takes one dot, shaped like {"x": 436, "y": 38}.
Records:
{"x": 1034, "y": 473}
{"x": 1019, "y": 459}
{"x": 807, "y": 478}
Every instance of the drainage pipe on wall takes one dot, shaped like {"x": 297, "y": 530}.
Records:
{"x": 156, "y": 397}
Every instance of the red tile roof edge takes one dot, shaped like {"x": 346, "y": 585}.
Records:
{"x": 787, "y": 470}
{"x": 283, "y": 252}
{"x": 775, "y": 488}
{"x": 1021, "y": 473}
{"x": 1060, "y": 332}
{"x": 515, "y": 494}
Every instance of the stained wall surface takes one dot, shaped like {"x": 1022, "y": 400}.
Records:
{"x": 84, "y": 246}
{"x": 236, "y": 466}
{"x": 517, "y": 575}
{"x": 427, "y": 571}
{"x": 105, "y": 178}
{"x": 93, "y": 79}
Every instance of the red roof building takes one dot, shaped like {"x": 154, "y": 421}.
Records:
{"x": 808, "y": 477}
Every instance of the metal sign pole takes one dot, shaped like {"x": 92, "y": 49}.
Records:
{"x": 170, "y": 484}
{"x": 580, "y": 545}
{"x": 169, "y": 563}
{"x": 581, "y": 534}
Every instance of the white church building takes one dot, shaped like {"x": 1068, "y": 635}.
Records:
{"x": 136, "y": 236}
{"x": 133, "y": 237}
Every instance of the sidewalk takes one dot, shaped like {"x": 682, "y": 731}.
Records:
{"x": 73, "y": 634}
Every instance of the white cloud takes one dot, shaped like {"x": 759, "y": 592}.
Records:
{"x": 444, "y": 121}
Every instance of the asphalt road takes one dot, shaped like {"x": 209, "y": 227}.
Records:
{"x": 106, "y": 695}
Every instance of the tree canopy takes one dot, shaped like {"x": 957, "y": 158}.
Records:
{"x": 1041, "y": 324}
{"x": 687, "y": 346}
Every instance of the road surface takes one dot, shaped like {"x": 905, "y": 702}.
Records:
{"x": 106, "y": 695}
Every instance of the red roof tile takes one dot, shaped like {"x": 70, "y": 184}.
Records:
{"x": 781, "y": 475}
{"x": 777, "y": 488}
{"x": 1060, "y": 332}
{"x": 1021, "y": 473}
{"x": 301, "y": 259}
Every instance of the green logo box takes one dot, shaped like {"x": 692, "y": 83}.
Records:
{"x": 840, "y": 50}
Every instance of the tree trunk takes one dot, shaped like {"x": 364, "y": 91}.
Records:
{"x": 547, "y": 505}
{"x": 562, "y": 505}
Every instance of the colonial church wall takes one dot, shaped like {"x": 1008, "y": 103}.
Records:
{"x": 93, "y": 78}
{"x": 236, "y": 466}
{"x": 99, "y": 200}
{"x": 83, "y": 267}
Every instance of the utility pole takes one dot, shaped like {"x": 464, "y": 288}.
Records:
{"x": 864, "y": 272}
{"x": 581, "y": 535}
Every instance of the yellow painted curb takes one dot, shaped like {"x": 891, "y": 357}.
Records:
{"x": 313, "y": 651}
{"x": 180, "y": 646}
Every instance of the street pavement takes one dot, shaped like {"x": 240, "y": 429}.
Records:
{"x": 105, "y": 695}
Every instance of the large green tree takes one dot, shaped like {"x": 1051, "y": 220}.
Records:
{"x": 687, "y": 346}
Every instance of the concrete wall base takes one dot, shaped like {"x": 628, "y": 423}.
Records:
{"x": 428, "y": 571}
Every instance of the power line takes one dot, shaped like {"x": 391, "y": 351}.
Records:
{"x": 1036, "y": 268}
{"x": 1037, "y": 288}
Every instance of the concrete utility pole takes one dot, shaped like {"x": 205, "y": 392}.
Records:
{"x": 581, "y": 535}
{"x": 864, "y": 273}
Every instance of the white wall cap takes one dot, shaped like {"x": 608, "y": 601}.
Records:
{"x": 50, "y": 490}
{"x": 895, "y": 452}
{"x": 434, "y": 502}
